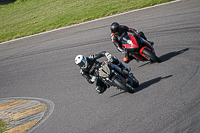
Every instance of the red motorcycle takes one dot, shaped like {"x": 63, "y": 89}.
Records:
{"x": 137, "y": 49}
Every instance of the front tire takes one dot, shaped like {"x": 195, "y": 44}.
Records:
{"x": 152, "y": 56}
{"x": 135, "y": 82}
{"x": 122, "y": 85}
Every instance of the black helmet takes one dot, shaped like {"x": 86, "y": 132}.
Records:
{"x": 114, "y": 27}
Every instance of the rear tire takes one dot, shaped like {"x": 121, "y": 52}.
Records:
{"x": 121, "y": 85}
{"x": 151, "y": 55}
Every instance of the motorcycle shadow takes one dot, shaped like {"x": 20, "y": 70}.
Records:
{"x": 145, "y": 85}
{"x": 167, "y": 56}
{"x": 170, "y": 55}
{"x": 151, "y": 82}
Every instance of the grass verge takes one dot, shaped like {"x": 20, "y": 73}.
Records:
{"x": 2, "y": 126}
{"x": 19, "y": 18}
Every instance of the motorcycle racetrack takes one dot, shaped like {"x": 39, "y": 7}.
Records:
{"x": 167, "y": 100}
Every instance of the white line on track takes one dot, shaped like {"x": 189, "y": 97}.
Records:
{"x": 90, "y": 21}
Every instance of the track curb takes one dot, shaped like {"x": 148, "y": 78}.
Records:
{"x": 24, "y": 114}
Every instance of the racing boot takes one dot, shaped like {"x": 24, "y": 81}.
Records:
{"x": 141, "y": 34}
{"x": 124, "y": 67}
{"x": 100, "y": 89}
{"x": 128, "y": 69}
{"x": 150, "y": 45}
{"x": 126, "y": 57}
{"x": 152, "y": 49}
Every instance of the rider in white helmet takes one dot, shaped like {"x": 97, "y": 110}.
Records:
{"x": 88, "y": 68}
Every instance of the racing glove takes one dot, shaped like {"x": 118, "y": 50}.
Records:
{"x": 109, "y": 57}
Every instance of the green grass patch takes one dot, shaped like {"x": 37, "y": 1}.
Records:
{"x": 21, "y": 18}
{"x": 2, "y": 126}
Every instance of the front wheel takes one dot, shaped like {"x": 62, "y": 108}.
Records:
{"x": 151, "y": 55}
{"x": 122, "y": 85}
{"x": 135, "y": 83}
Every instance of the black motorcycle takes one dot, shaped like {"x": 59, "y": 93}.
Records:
{"x": 113, "y": 75}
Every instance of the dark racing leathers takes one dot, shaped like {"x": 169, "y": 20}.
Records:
{"x": 90, "y": 72}
{"x": 118, "y": 43}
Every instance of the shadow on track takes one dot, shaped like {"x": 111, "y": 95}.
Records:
{"x": 151, "y": 82}
{"x": 118, "y": 94}
{"x": 170, "y": 55}
{"x": 145, "y": 64}
{"x": 5, "y": 2}
{"x": 167, "y": 56}
{"x": 145, "y": 85}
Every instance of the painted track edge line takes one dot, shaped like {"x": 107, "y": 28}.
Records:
{"x": 89, "y": 21}
{"x": 49, "y": 103}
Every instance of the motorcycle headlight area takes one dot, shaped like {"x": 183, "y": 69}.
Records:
{"x": 104, "y": 71}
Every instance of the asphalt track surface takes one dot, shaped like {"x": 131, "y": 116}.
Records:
{"x": 167, "y": 101}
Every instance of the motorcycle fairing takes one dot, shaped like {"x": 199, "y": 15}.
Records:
{"x": 104, "y": 71}
{"x": 139, "y": 57}
{"x": 141, "y": 50}
{"x": 130, "y": 42}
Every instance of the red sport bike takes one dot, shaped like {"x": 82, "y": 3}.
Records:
{"x": 137, "y": 49}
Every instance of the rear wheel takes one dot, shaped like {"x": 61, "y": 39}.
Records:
{"x": 122, "y": 85}
{"x": 151, "y": 55}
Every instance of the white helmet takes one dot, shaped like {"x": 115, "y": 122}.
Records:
{"x": 81, "y": 61}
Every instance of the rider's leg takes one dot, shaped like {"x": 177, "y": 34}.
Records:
{"x": 119, "y": 63}
{"x": 141, "y": 34}
{"x": 147, "y": 44}
{"x": 126, "y": 57}
{"x": 101, "y": 86}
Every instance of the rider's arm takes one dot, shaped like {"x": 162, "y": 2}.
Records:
{"x": 126, "y": 28}
{"x": 116, "y": 43}
{"x": 99, "y": 55}
{"x": 90, "y": 79}
{"x": 133, "y": 30}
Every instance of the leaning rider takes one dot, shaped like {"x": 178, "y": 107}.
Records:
{"x": 88, "y": 68}
{"x": 117, "y": 30}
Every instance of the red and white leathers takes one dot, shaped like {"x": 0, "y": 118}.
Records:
{"x": 118, "y": 44}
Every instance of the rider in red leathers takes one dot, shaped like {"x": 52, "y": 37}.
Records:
{"x": 116, "y": 32}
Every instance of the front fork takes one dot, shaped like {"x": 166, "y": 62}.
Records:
{"x": 141, "y": 52}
